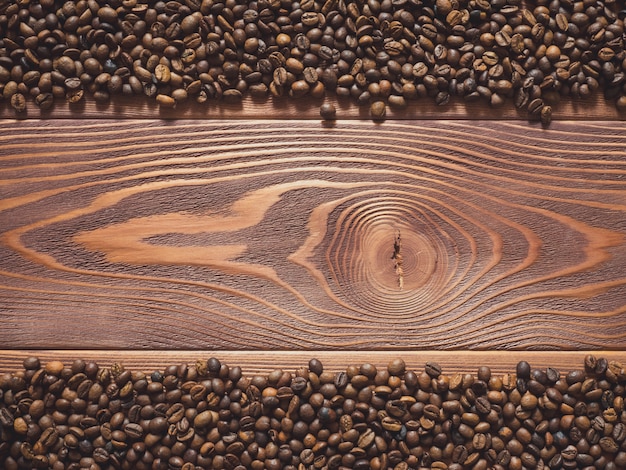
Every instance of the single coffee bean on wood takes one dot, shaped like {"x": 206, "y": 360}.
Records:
{"x": 328, "y": 111}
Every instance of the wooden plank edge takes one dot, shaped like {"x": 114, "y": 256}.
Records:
{"x": 261, "y": 362}
{"x": 134, "y": 107}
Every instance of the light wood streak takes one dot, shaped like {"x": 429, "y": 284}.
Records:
{"x": 278, "y": 235}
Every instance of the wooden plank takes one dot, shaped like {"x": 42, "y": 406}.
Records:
{"x": 263, "y": 362}
{"x": 267, "y": 234}
{"x": 311, "y": 58}
{"x": 590, "y": 109}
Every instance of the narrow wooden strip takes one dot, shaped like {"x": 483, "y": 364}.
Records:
{"x": 590, "y": 109}
{"x": 262, "y": 362}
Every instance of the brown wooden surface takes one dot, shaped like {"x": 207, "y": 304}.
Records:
{"x": 590, "y": 109}
{"x": 280, "y": 235}
{"x": 263, "y": 362}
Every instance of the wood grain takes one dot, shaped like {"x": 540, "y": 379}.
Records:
{"x": 263, "y": 362}
{"x": 283, "y": 235}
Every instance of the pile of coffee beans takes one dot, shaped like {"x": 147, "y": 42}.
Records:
{"x": 377, "y": 52}
{"x": 212, "y": 416}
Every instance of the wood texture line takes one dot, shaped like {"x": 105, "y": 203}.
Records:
{"x": 249, "y": 235}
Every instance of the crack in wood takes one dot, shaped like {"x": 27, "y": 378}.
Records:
{"x": 397, "y": 259}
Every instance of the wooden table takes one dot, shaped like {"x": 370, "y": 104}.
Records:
{"x": 264, "y": 236}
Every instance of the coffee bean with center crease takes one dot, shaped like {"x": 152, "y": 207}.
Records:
{"x": 433, "y": 369}
{"x": 546, "y": 115}
{"x": 18, "y": 102}
{"x": 329, "y": 112}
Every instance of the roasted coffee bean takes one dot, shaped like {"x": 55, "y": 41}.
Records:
{"x": 546, "y": 115}
{"x": 483, "y": 405}
{"x": 133, "y": 431}
{"x": 366, "y": 439}
{"x": 44, "y": 101}
{"x": 345, "y": 423}
{"x": 165, "y": 101}
{"x": 433, "y": 369}
{"x": 535, "y": 107}
{"x": 378, "y": 110}
{"x": 18, "y": 102}
{"x": 385, "y": 52}
{"x": 397, "y": 101}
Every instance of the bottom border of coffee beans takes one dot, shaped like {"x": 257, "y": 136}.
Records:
{"x": 209, "y": 415}
{"x": 392, "y": 52}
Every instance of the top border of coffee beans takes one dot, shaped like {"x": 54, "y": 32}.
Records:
{"x": 378, "y": 53}
{"x": 209, "y": 415}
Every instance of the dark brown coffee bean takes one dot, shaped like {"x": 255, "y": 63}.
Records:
{"x": 562, "y": 22}
{"x": 133, "y": 431}
{"x": 31, "y": 362}
{"x": 546, "y": 115}
{"x": 329, "y": 112}
{"x": 433, "y": 369}
{"x": 535, "y": 107}
{"x": 18, "y": 102}
{"x": 609, "y": 445}
{"x": 397, "y": 101}
{"x": 366, "y": 439}
{"x": 482, "y": 405}
{"x": 166, "y": 101}
{"x": 619, "y": 432}
{"x": 66, "y": 66}
{"x": 460, "y": 454}
{"x": 569, "y": 453}
{"x": 378, "y": 110}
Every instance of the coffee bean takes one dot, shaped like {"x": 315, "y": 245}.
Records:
{"x": 328, "y": 112}
{"x": 133, "y": 431}
{"x": 397, "y": 101}
{"x": 482, "y": 405}
{"x": 31, "y": 363}
{"x": 162, "y": 73}
{"x": 75, "y": 95}
{"x": 535, "y": 107}
{"x": 608, "y": 445}
{"x": 378, "y": 110}
{"x": 546, "y": 115}
{"x": 552, "y": 375}
{"x": 433, "y": 369}
{"x": 299, "y": 88}
{"x": 479, "y": 441}
{"x": 366, "y": 439}
{"x": 18, "y": 102}
{"x": 20, "y": 426}
{"x": 204, "y": 419}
